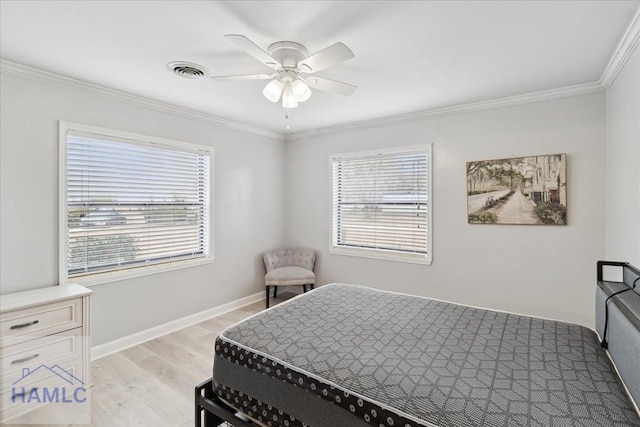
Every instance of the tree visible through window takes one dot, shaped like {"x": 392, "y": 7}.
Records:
{"x": 381, "y": 204}
{"x": 131, "y": 203}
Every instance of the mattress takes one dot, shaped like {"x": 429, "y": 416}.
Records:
{"x": 346, "y": 355}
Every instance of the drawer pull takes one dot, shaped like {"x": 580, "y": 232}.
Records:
{"x": 24, "y": 325}
{"x": 25, "y": 359}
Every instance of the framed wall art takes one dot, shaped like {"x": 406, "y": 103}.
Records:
{"x": 520, "y": 190}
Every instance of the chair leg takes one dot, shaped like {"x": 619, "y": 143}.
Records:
{"x": 267, "y": 288}
{"x": 275, "y": 291}
{"x": 312, "y": 286}
{"x": 304, "y": 288}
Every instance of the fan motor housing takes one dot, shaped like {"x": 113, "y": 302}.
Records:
{"x": 288, "y": 53}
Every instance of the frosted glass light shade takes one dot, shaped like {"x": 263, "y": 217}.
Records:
{"x": 288, "y": 98}
{"x": 273, "y": 90}
{"x": 301, "y": 90}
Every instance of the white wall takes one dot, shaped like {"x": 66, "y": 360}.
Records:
{"x": 623, "y": 164}
{"x": 247, "y": 195}
{"x": 540, "y": 270}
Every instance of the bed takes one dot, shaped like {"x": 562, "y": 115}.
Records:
{"x": 346, "y": 355}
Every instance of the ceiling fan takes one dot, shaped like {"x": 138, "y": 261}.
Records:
{"x": 294, "y": 69}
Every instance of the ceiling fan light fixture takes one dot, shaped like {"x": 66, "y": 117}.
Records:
{"x": 288, "y": 98}
{"x": 289, "y": 59}
{"x": 300, "y": 90}
{"x": 273, "y": 90}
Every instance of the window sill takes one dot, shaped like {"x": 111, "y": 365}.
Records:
{"x": 381, "y": 254}
{"x": 116, "y": 276}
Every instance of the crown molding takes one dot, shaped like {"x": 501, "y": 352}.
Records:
{"x": 34, "y": 74}
{"x": 622, "y": 53}
{"x": 544, "y": 95}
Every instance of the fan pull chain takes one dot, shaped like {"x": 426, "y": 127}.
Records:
{"x": 287, "y": 125}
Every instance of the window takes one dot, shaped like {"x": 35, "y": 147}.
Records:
{"x": 382, "y": 204}
{"x": 130, "y": 204}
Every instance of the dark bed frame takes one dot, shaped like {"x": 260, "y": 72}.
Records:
{"x": 211, "y": 411}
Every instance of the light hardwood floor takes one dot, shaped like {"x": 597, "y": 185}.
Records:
{"x": 152, "y": 384}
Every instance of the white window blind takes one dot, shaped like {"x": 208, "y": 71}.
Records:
{"x": 132, "y": 204}
{"x": 381, "y": 204}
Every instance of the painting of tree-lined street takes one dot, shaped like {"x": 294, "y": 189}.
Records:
{"x": 522, "y": 190}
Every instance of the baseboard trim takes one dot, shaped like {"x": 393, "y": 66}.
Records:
{"x": 102, "y": 350}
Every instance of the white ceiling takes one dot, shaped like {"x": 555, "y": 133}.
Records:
{"x": 410, "y": 56}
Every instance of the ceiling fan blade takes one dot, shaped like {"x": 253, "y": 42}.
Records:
{"x": 244, "y": 77}
{"x": 327, "y": 57}
{"x": 328, "y": 85}
{"x": 253, "y": 49}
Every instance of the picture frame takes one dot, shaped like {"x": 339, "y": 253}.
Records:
{"x": 519, "y": 190}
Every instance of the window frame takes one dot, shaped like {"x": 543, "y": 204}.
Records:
{"x": 377, "y": 253}
{"x": 63, "y": 225}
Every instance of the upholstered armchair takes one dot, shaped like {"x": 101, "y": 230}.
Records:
{"x": 289, "y": 267}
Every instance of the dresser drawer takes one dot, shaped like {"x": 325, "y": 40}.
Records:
{"x": 45, "y": 356}
{"x": 49, "y": 351}
{"x": 33, "y": 322}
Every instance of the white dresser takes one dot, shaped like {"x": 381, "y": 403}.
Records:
{"x": 44, "y": 349}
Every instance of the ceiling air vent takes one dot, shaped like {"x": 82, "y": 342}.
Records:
{"x": 188, "y": 70}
